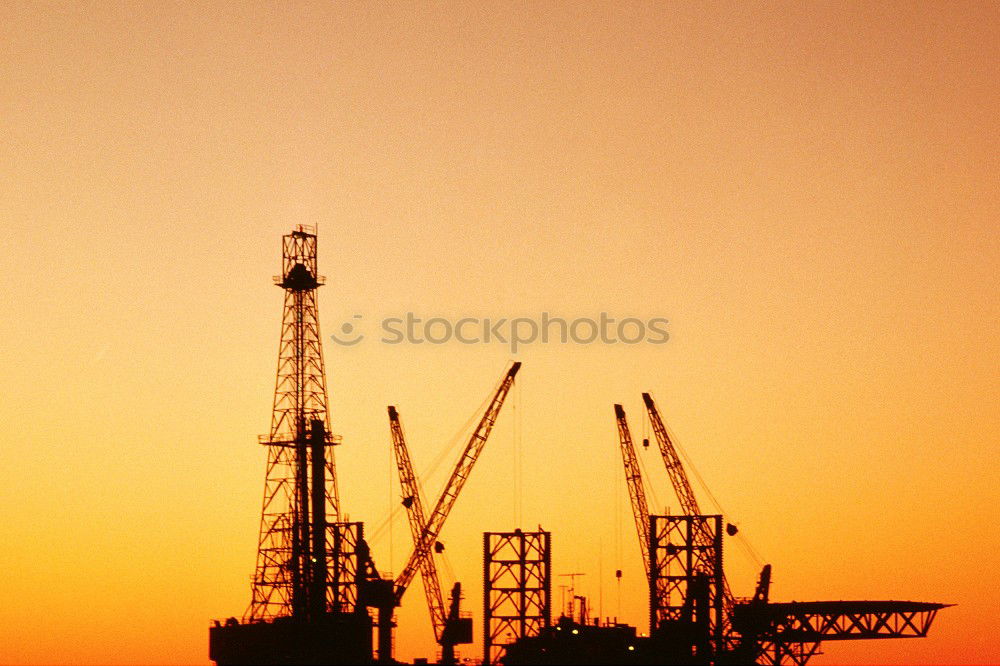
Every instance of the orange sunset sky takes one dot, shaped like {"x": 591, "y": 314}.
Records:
{"x": 807, "y": 191}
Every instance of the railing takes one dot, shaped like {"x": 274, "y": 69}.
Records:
{"x": 290, "y": 441}
{"x": 279, "y": 279}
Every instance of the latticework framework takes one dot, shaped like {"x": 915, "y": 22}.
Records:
{"x": 517, "y": 588}
{"x": 681, "y": 550}
{"x": 794, "y": 630}
{"x": 285, "y": 569}
{"x": 345, "y": 567}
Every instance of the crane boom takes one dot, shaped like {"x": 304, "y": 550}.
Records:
{"x": 636, "y": 492}
{"x": 682, "y": 487}
{"x": 459, "y": 476}
{"x": 689, "y": 504}
{"x": 415, "y": 512}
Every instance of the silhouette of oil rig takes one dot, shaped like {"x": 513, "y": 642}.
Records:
{"x": 317, "y": 596}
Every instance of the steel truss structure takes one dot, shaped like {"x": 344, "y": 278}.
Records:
{"x": 291, "y": 576}
{"x": 517, "y": 588}
{"x": 346, "y": 567}
{"x": 790, "y": 633}
{"x": 685, "y": 555}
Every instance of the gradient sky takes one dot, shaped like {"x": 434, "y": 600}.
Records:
{"x": 808, "y": 191}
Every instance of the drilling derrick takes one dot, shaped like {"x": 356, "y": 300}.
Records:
{"x": 311, "y": 569}
{"x": 290, "y": 577}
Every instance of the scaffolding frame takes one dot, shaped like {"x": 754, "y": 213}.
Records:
{"x": 517, "y": 588}
{"x": 686, "y": 552}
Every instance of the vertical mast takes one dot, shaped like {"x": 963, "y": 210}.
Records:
{"x": 300, "y": 472}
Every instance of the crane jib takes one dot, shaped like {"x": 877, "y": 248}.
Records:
{"x": 415, "y": 512}
{"x": 455, "y": 483}
{"x": 679, "y": 480}
{"x": 636, "y": 491}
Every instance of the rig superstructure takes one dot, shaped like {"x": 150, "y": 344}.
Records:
{"x": 317, "y": 596}
{"x": 305, "y": 605}
{"x": 693, "y": 616}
